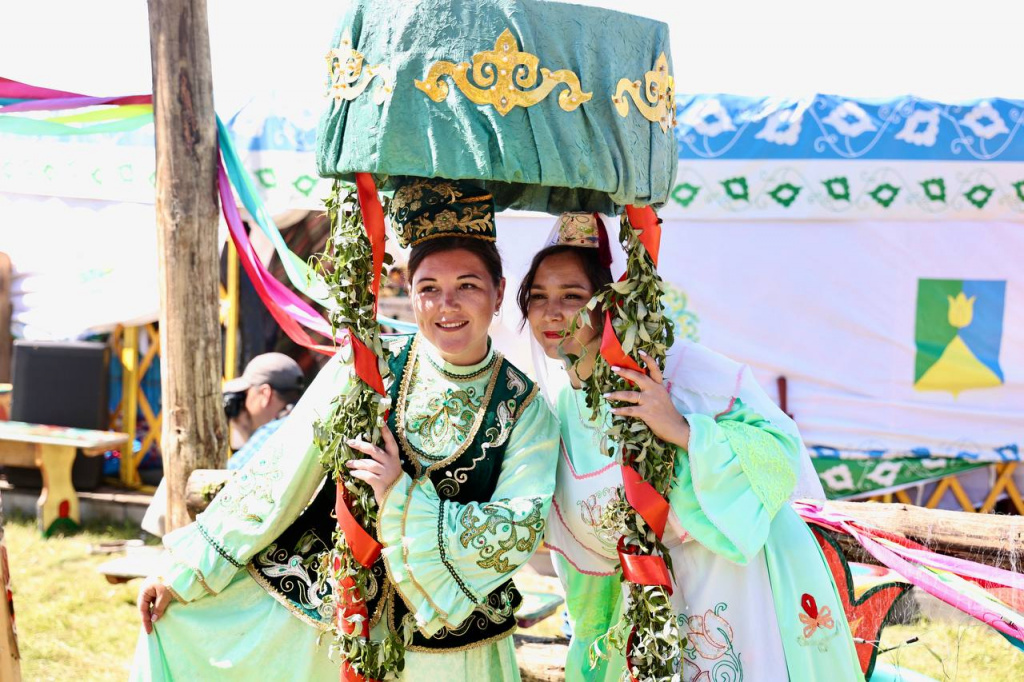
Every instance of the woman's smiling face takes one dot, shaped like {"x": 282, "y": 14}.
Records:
{"x": 560, "y": 290}
{"x": 454, "y": 299}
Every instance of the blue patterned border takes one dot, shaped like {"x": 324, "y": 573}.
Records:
{"x": 827, "y": 127}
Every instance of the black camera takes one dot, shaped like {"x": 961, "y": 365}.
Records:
{"x": 233, "y": 403}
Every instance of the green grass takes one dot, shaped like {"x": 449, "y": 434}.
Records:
{"x": 954, "y": 652}
{"x": 73, "y": 625}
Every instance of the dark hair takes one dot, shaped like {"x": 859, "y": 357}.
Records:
{"x": 289, "y": 396}
{"x": 597, "y": 275}
{"x": 483, "y": 249}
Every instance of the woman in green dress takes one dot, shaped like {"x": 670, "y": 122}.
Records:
{"x": 463, "y": 487}
{"x": 754, "y": 595}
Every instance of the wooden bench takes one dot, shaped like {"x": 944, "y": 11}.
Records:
{"x": 52, "y": 450}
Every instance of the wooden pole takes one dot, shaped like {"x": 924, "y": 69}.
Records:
{"x": 194, "y": 428}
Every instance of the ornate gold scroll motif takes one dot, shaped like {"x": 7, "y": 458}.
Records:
{"x": 498, "y": 72}
{"x": 350, "y": 77}
{"x": 659, "y": 91}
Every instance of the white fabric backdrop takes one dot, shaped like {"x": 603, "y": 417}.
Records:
{"x": 832, "y": 306}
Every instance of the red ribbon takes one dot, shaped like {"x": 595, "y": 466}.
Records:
{"x": 364, "y": 547}
{"x": 642, "y": 496}
{"x": 643, "y": 569}
{"x": 373, "y": 221}
{"x": 611, "y": 348}
{"x": 645, "y": 222}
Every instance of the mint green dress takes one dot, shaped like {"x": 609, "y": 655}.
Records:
{"x": 754, "y": 595}
{"x": 226, "y": 624}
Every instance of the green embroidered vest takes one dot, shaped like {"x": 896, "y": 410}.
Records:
{"x": 286, "y": 568}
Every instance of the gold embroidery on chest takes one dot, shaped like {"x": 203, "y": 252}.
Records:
{"x": 443, "y": 418}
{"x": 402, "y": 418}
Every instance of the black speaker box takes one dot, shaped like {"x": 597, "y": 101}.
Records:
{"x": 63, "y": 384}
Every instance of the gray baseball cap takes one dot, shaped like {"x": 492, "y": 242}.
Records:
{"x": 276, "y": 369}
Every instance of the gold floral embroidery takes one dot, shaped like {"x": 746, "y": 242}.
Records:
{"x": 403, "y": 403}
{"x": 348, "y": 77}
{"x": 659, "y": 92}
{"x": 496, "y": 529}
{"x": 445, "y": 418}
{"x": 499, "y": 72}
{"x": 409, "y": 197}
{"x": 470, "y": 221}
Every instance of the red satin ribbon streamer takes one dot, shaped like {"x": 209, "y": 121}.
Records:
{"x": 351, "y": 604}
{"x": 646, "y": 222}
{"x": 643, "y": 569}
{"x": 373, "y": 221}
{"x": 611, "y": 348}
{"x": 364, "y": 547}
{"x": 642, "y": 496}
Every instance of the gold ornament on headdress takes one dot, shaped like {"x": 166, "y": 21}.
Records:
{"x": 577, "y": 229}
{"x": 427, "y": 208}
{"x": 494, "y": 71}
{"x": 348, "y": 77}
{"x": 659, "y": 91}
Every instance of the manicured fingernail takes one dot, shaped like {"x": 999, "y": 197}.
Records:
{"x": 616, "y": 369}
{"x": 155, "y": 618}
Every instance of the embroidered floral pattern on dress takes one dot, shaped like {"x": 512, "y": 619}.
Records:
{"x": 299, "y": 580}
{"x": 764, "y": 461}
{"x": 819, "y": 627}
{"x": 440, "y": 419}
{"x": 496, "y": 529}
{"x": 250, "y": 493}
{"x": 591, "y": 511}
{"x": 709, "y": 653}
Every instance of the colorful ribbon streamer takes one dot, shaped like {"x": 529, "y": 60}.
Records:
{"x": 957, "y": 582}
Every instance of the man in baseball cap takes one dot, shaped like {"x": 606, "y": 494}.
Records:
{"x": 257, "y": 402}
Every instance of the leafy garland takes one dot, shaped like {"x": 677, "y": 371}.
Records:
{"x": 649, "y": 626}
{"x": 346, "y": 267}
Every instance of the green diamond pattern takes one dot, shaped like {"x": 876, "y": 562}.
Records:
{"x": 979, "y": 195}
{"x": 304, "y": 184}
{"x": 1019, "y": 187}
{"x": 685, "y": 193}
{"x": 785, "y": 194}
{"x": 737, "y": 188}
{"x": 838, "y": 188}
{"x": 884, "y": 194}
{"x": 267, "y": 177}
{"x": 935, "y": 189}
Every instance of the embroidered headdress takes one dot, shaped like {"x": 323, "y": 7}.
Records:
{"x": 428, "y": 208}
{"x": 585, "y": 230}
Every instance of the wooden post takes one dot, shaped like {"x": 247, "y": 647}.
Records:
{"x": 194, "y": 428}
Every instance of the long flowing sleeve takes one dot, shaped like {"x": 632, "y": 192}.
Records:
{"x": 260, "y": 501}
{"x": 444, "y": 557}
{"x": 736, "y": 473}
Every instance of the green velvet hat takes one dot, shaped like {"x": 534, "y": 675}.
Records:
{"x": 428, "y": 208}
{"x": 547, "y": 106}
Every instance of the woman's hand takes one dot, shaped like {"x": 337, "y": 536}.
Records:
{"x": 651, "y": 403}
{"x": 381, "y": 468}
{"x": 153, "y": 600}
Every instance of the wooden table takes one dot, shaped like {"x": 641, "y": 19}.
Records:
{"x": 52, "y": 450}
